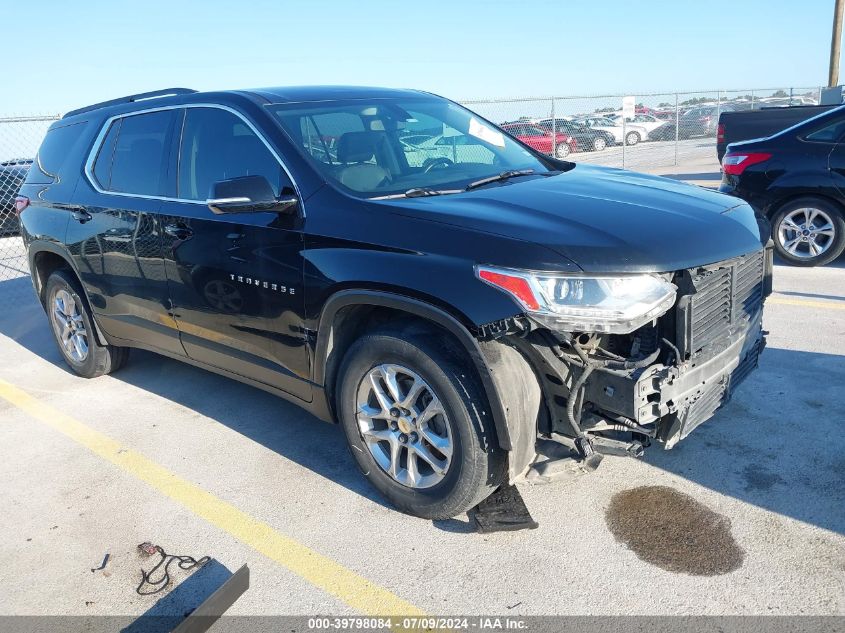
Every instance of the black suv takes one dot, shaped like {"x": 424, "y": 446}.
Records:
{"x": 471, "y": 311}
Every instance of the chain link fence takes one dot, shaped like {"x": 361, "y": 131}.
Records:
{"x": 665, "y": 130}
{"x": 19, "y": 140}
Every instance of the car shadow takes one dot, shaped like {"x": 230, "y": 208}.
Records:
{"x": 280, "y": 426}
{"x": 791, "y": 463}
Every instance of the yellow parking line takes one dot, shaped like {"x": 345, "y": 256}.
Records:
{"x": 321, "y": 571}
{"x": 824, "y": 305}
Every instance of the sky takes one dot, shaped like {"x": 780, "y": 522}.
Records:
{"x": 61, "y": 55}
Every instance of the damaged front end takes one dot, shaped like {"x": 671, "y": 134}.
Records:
{"x": 614, "y": 393}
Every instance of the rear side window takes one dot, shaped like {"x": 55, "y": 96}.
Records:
{"x": 54, "y": 150}
{"x": 830, "y": 133}
{"x": 218, "y": 145}
{"x": 134, "y": 153}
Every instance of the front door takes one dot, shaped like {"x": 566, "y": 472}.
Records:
{"x": 235, "y": 279}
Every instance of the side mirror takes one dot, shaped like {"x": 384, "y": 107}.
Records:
{"x": 247, "y": 194}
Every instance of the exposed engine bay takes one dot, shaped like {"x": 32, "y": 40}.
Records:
{"x": 615, "y": 394}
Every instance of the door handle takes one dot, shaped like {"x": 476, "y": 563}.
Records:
{"x": 179, "y": 231}
{"x": 81, "y": 215}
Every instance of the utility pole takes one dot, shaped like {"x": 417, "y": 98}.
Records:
{"x": 835, "y": 42}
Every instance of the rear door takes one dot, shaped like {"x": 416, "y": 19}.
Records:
{"x": 114, "y": 233}
{"x": 236, "y": 279}
{"x": 829, "y": 140}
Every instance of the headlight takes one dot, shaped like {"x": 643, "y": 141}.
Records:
{"x": 574, "y": 303}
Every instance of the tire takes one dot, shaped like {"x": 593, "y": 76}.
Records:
{"x": 796, "y": 234}
{"x": 61, "y": 291}
{"x": 599, "y": 144}
{"x": 632, "y": 138}
{"x": 476, "y": 467}
{"x": 562, "y": 150}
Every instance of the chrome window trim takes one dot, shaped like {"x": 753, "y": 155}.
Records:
{"x": 95, "y": 149}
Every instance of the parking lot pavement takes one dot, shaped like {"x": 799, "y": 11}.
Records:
{"x": 654, "y": 156}
{"x": 201, "y": 465}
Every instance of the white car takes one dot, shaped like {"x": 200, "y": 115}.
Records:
{"x": 633, "y": 133}
{"x": 647, "y": 121}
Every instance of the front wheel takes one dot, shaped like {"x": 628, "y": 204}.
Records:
{"x": 809, "y": 232}
{"x": 562, "y": 150}
{"x": 599, "y": 144}
{"x": 418, "y": 424}
{"x": 632, "y": 138}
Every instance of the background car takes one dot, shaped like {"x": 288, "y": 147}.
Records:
{"x": 632, "y": 134}
{"x": 12, "y": 174}
{"x": 647, "y": 121}
{"x": 587, "y": 138}
{"x": 559, "y": 145}
{"x": 796, "y": 179}
{"x": 703, "y": 120}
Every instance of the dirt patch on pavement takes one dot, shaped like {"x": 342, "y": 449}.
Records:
{"x": 672, "y": 530}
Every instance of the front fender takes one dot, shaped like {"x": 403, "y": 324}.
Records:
{"x": 422, "y": 310}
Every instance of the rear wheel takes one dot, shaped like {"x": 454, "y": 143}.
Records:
{"x": 809, "y": 232}
{"x": 73, "y": 329}
{"x": 418, "y": 425}
{"x": 562, "y": 150}
{"x": 632, "y": 138}
{"x": 599, "y": 144}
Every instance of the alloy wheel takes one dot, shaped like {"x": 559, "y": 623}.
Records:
{"x": 806, "y": 232}
{"x": 69, "y": 326}
{"x": 562, "y": 150}
{"x": 404, "y": 426}
{"x": 599, "y": 144}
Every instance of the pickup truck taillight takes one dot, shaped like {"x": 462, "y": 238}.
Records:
{"x": 734, "y": 163}
{"x": 720, "y": 133}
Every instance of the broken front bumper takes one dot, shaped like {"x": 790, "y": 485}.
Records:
{"x": 678, "y": 399}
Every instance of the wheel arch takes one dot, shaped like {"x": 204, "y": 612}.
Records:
{"x": 348, "y": 313}
{"x": 793, "y": 195}
{"x": 44, "y": 259}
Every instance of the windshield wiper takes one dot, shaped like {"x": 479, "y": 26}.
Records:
{"x": 512, "y": 173}
{"x": 418, "y": 192}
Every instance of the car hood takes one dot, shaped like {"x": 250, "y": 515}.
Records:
{"x": 603, "y": 220}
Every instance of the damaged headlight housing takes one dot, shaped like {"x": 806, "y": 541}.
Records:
{"x": 615, "y": 304}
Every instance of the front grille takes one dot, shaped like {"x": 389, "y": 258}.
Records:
{"x": 718, "y": 300}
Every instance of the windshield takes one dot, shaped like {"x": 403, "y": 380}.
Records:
{"x": 385, "y": 146}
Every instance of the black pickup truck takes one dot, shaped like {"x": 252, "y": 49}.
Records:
{"x": 753, "y": 124}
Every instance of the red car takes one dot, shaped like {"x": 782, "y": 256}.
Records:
{"x": 558, "y": 145}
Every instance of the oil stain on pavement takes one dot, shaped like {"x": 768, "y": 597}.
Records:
{"x": 673, "y": 531}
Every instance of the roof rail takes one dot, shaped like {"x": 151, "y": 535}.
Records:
{"x": 166, "y": 92}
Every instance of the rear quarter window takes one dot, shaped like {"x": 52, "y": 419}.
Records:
{"x": 51, "y": 159}
{"x": 830, "y": 133}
